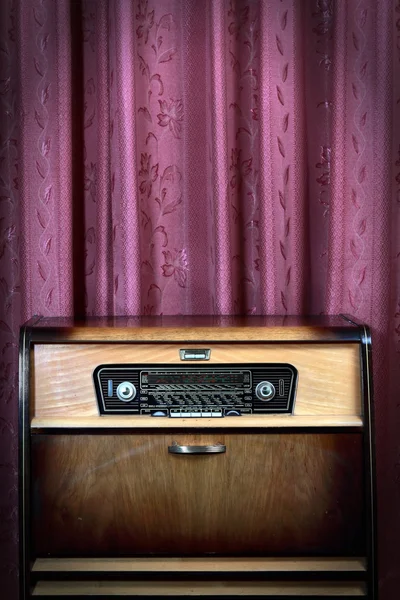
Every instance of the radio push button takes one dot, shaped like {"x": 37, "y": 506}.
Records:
{"x": 126, "y": 391}
{"x": 232, "y": 413}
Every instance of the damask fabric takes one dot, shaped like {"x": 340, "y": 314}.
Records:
{"x": 213, "y": 157}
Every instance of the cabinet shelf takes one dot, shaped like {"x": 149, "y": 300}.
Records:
{"x": 141, "y": 422}
{"x": 330, "y": 589}
{"x": 204, "y": 564}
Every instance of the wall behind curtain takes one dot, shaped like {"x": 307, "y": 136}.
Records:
{"x": 213, "y": 157}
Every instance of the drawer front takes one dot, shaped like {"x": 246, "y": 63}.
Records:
{"x": 281, "y": 494}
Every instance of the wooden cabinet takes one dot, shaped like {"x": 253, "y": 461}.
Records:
{"x": 283, "y": 506}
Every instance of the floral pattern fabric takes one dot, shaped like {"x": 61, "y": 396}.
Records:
{"x": 214, "y": 157}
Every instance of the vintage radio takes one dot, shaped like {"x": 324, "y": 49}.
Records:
{"x": 196, "y": 456}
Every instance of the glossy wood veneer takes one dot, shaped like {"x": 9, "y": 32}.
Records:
{"x": 62, "y": 375}
{"x": 273, "y": 494}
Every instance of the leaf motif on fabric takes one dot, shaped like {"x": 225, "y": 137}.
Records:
{"x": 49, "y": 298}
{"x": 279, "y": 45}
{"x": 45, "y": 94}
{"x": 166, "y": 21}
{"x": 354, "y": 248}
{"x": 167, "y": 55}
{"x": 143, "y": 66}
{"x": 282, "y": 199}
{"x": 281, "y": 147}
{"x": 38, "y": 120}
{"x": 362, "y": 226}
{"x": 89, "y": 120}
{"x": 362, "y": 174}
{"x": 90, "y": 268}
{"x": 354, "y": 198}
{"x": 287, "y": 227}
{"x": 236, "y": 108}
{"x": 285, "y": 122}
{"x": 172, "y": 174}
{"x": 116, "y": 279}
{"x": 285, "y": 71}
{"x": 42, "y": 271}
{"x": 152, "y": 288}
{"x": 355, "y": 143}
{"x": 242, "y": 130}
{"x": 47, "y": 246}
{"x": 363, "y": 17}
{"x": 288, "y": 272}
{"x": 280, "y": 95}
{"x": 90, "y": 235}
{"x": 161, "y": 229}
{"x": 149, "y": 136}
{"x": 361, "y": 275}
{"x": 47, "y": 194}
{"x": 282, "y": 247}
{"x": 158, "y": 79}
{"x": 284, "y": 20}
{"x": 363, "y": 120}
{"x": 355, "y": 91}
{"x": 45, "y": 147}
{"x": 145, "y": 112}
{"x": 38, "y": 67}
{"x": 363, "y": 70}
{"x": 355, "y": 41}
{"x": 40, "y": 219}
{"x": 170, "y": 208}
{"x": 286, "y": 174}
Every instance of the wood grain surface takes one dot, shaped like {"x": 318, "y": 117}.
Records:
{"x": 243, "y": 564}
{"x": 62, "y": 374}
{"x": 282, "y": 494}
{"x": 199, "y": 588}
{"x": 264, "y": 422}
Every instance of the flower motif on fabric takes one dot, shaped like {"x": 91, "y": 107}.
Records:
{"x": 146, "y": 20}
{"x": 176, "y": 265}
{"x": 241, "y": 168}
{"x": 240, "y": 18}
{"x": 171, "y": 115}
{"x": 325, "y": 164}
{"x": 149, "y": 172}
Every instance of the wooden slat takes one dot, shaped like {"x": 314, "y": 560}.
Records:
{"x": 203, "y": 565}
{"x": 142, "y": 422}
{"x": 200, "y": 588}
{"x": 62, "y": 375}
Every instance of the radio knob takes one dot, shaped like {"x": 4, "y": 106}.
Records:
{"x": 265, "y": 391}
{"x": 126, "y": 391}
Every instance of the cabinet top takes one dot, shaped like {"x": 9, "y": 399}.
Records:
{"x": 181, "y": 328}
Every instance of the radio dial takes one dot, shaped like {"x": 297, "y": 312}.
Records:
{"x": 126, "y": 391}
{"x": 265, "y": 391}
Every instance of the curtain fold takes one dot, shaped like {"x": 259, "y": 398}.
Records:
{"x": 216, "y": 157}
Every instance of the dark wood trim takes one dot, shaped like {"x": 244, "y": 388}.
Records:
{"x": 24, "y": 463}
{"x": 369, "y": 463}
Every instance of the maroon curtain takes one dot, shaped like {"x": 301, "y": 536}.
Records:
{"x": 202, "y": 157}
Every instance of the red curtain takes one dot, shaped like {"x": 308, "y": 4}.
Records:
{"x": 202, "y": 157}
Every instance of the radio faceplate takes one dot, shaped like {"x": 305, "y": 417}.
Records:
{"x": 194, "y": 392}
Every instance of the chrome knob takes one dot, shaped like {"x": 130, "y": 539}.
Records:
{"x": 265, "y": 391}
{"x": 126, "y": 391}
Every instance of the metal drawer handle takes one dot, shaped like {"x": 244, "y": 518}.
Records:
{"x": 211, "y": 449}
